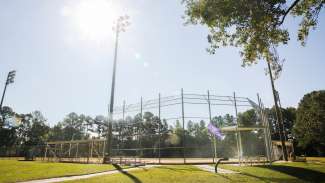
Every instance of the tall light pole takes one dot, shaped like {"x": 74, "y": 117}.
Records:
{"x": 121, "y": 23}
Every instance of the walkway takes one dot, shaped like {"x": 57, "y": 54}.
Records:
{"x": 210, "y": 168}
{"x": 77, "y": 177}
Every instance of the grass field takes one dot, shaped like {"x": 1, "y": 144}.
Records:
{"x": 283, "y": 172}
{"x": 14, "y": 170}
{"x": 162, "y": 174}
{"x": 286, "y": 173}
{"x": 316, "y": 159}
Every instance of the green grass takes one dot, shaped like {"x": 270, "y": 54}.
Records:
{"x": 14, "y": 170}
{"x": 162, "y": 174}
{"x": 283, "y": 172}
{"x": 316, "y": 159}
{"x": 286, "y": 173}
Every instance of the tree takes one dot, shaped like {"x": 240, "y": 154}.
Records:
{"x": 88, "y": 124}
{"x": 73, "y": 127}
{"x": 56, "y": 133}
{"x": 7, "y": 134}
{"x": 247, "y": 118}
{"x": 100, "y": 125}
{"x": 218, "y": 121}
{"x": 38, "y": 133}
{"x": 289, "y": 119}
{"x": 190, "y": 128}
{"x": 310, "y": 126}
{"x": 24, "y": 131}
{"x": 257, "y": 28}
{"x": 6, "y": 113}
{"x": 229, "y": 120}
{"x": 254, "y": 26}
{"x": 150, "y": 123}
{"x": 178, "y": 134}
{"x": 32, "y": 130}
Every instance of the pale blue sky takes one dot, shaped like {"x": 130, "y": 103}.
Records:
{"x": 60, "y": 71}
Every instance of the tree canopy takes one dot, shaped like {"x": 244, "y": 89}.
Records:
{"x": 310, "y": 126}
{"x": 254, "y": 26}
{"x": 289, "y": 119}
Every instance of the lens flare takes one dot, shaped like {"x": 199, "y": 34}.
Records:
{"x": 94, "y": 18}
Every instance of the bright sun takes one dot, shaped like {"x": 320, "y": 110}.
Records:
{"x": 94, "y": 18}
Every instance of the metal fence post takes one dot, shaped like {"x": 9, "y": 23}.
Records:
{"x": 213, "y": 138}
{"x": 120, "y": 137}
{"x": 104, "y": 144}
{"x": 239, "y": 146}
{"x": 92, "y": 147}
{"x": 159, "y": 128}
{"x": 183, "y": 120}
{"x": 45, "y": 151}
{"x": 123, "y": 110}
{"x": 77, "y": 150}
{"x": 70, "y": 150}
{"x": 61, "y": 153}
{"x": 267, "y": 130}
{"x": 88, "y": 153}
{"x": 139, "y": 127}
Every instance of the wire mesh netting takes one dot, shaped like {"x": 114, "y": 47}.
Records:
{"x": 173, "y": 130}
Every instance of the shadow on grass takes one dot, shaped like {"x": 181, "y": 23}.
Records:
{"x": 271, "y": 179}
{"x": 132, "y": 177}
{"x": 298, "y": 172}
{"x": 224, "y": 176}
{"x": 302, "y": 174}
{"x": 180, "y": 169}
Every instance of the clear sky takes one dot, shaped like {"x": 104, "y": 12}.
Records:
{"x": 64, "y": 61}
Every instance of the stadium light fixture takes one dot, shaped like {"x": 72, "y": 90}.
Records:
{"x": 10, "y": 80}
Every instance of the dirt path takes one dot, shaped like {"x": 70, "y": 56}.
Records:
{"x": 211, "y": 169}
{"x": 61, "y": 179}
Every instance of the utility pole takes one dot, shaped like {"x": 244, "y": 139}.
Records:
{"x": 10, "y": 79}
{"x": 278, "y": 115}
{"x": 121, "y": 24}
